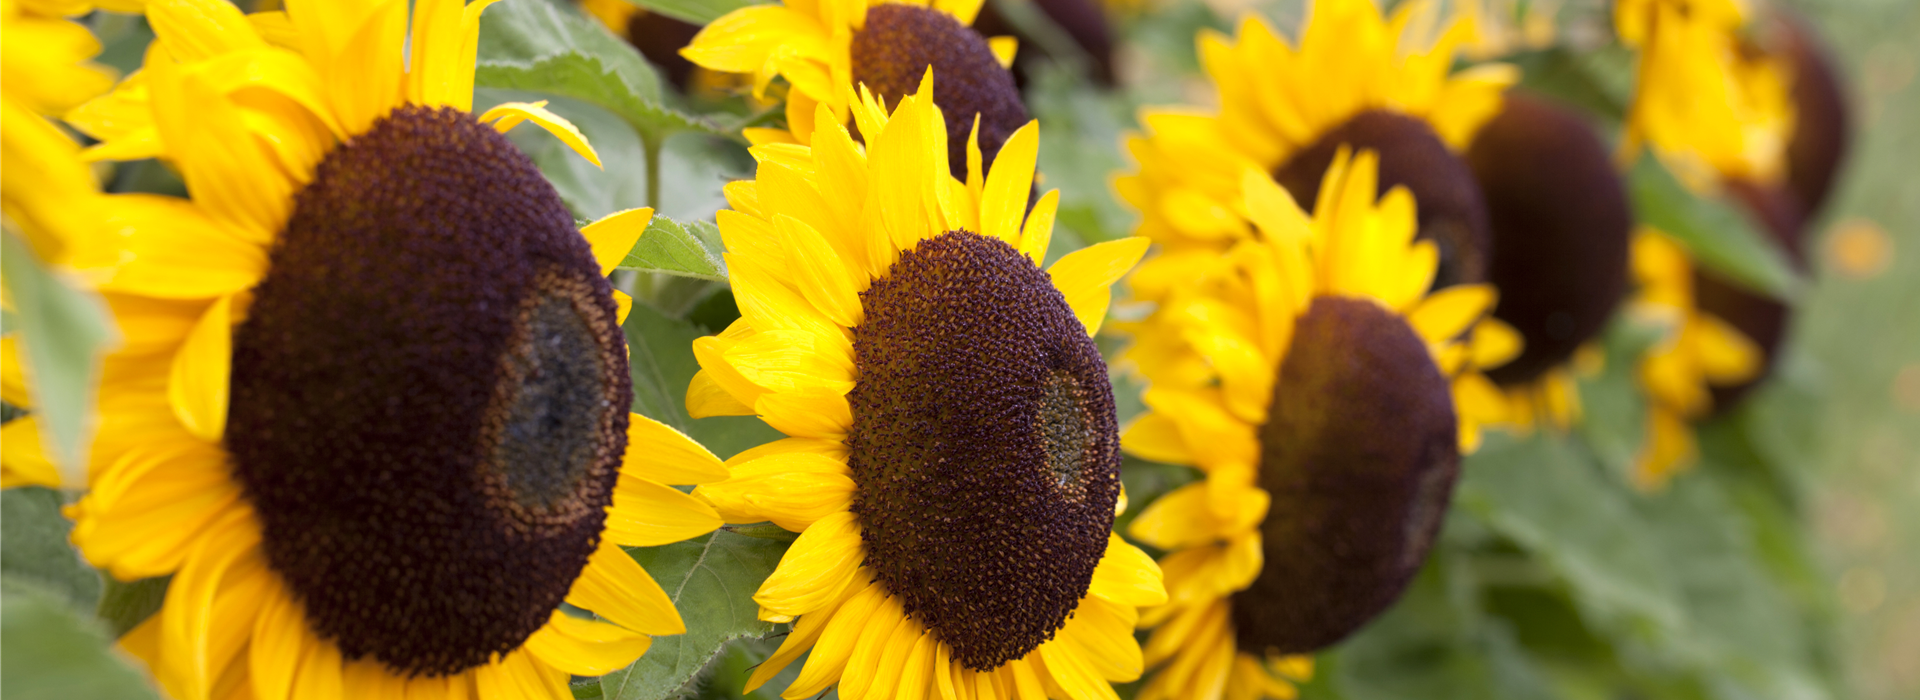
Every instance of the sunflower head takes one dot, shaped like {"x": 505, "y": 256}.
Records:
{"x": 952, "y": 465}
{"x": 507, "y": 398}
{"x": 1327, "y": 396}
{"x": 1360, "y": 448}
{"x": 829, "y": 50}
{"x": 1560, "y": 221}
{"x": 1710, "y": 109}
{"x": 371, "y": 412}
{"x": 1357, "y": 79}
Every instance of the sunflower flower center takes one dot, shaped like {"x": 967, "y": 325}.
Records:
{"x": 983, "y": 446}
{"x": 1359, "y": 454}
{"x": 1451, "y": 211}
{"x": 892, "y": 52}
{"x": 428, "y": 396}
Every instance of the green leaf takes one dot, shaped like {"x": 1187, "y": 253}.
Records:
{"x": 52, "y": 653}
{"x": 692, "y": 250}
{"x": 555, "y": 49}
{"x": 1719, "y": 236}
{"x": 701, "y": 12}
{"x": 1078, "y": 129}
{"x": 662, "y": 364}
{"x": 711, "y": 581}
{"x": 64, "y": 331}
{"x": 34, "y": 547}
{"x": 123, "y": 606}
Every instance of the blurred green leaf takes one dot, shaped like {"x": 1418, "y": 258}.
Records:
{"x": 1719, "y": 236}
{"x": 1433, "y": 643}
{"x": 1080, "y": 131}
{"x": 711, "y": 581}
{"x": 49, "y": 652}
{"x": 1598, "y": 83}
{"x": 692, "y": 250}
{"x": 34, "y": 547}
{"x": 123, "y": 606}
{"x": 555, "y": 49}
{"x": 701, "y": 12}
{"x": 64, "y": 332}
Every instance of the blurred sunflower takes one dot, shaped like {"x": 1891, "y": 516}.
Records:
{"x": 368, "y": 367}
{"x": 1710, "y": 111}
{"x": 952, "y": 465}
{"x": 1358, "y": 79}
{"x": 44, "y": 190}
{"x": 1314, "y": 381}
{"x": 1561, "y": 226}
{"x": 47, "y": 195}
{"x": 827, "y": 49}
{"x": 1721, "y": 115}
{"x": 1700, "y": 351}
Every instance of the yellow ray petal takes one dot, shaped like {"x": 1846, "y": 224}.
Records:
{"x": 649, "y": 514}
{"x": 1004, "y": 201}
{"x": 842, "y": 630}
{"x": 1447, "y": 314}
{"x": 1003, "y": 48}
{"x": 657, "y": 452}
{"x": 510, "y": 114}
{"x": 614, "y": 235}
{"x": 1127, "y": 576}
{"x": 816, "y": 569}
{"x": 585, "y": 647}
{"x": 1086, "y": 276}
{"x": 615, "y": 587}
{"x": 198, "y": 384}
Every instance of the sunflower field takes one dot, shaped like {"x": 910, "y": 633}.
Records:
{"x": 960, "y": 349}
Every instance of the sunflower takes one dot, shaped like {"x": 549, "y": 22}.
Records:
{"x": 1313, "y": 379}
{"x": 1700, "y": 351}
{"x": 369, "y": 412}
{"x": 952, "y": 459}
{"x": 46, "y": 193}
{"x": 1357, "y": 78}
{"x": 826, "y": 49}
{"x": 46, "y": 71}
{"x": 1561, "y": 226}
{"x": 1711, "y": 111}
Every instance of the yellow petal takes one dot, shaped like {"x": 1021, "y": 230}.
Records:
{"x": 1003, "y": 48}
{"x": 585, "y": 647}
{"x": 1126, "y": 575}
{"x": 706, "y": 398}
{"x": 615, "y": 587}
{"x": 649, "y": 514}
{"x": 1495, "y": 343}
{"x": 1086, "y": 276}
{"x": 511, "y": 114}
{"x": 827, "y": 417}
{"x": 614, "y": 235}
{"x": 657, "y": 452}
{"x": 1155, "y": 437}
{"x": 790, "y": 363}
{"x": 1447, "y": 314}
{"x": 201, "y": 371}
{"x": 823, "y": 277}
{"x": 1004, "y": 201}
{"x": 815, "y": 570}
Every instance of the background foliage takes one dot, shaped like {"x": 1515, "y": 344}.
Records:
{"x": 1781, "y": 567}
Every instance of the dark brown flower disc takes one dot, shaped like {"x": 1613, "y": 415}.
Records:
{"x": 1359, "y": 452}
{"x": 983, "y": 446}
{"x": 1822, "y": 129}
{"x": 1083, "y": 21}
{"x": 660, "y": 38}
{"x": 1763, "y": 319}
{"x": 1560, "y": 222}
{"x": 429, "y": 396}
{"x": 892, "y": 52}
{"x": 1451, "y": 211}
